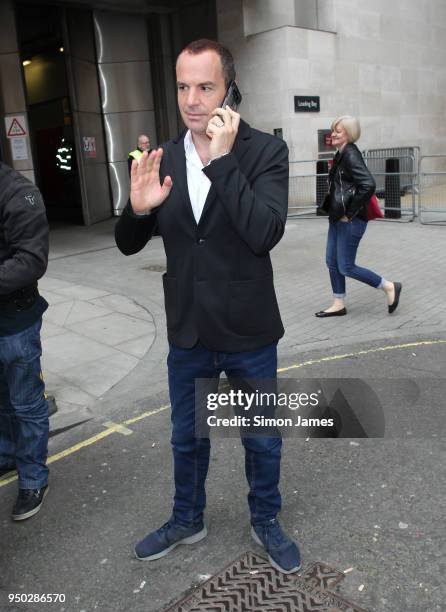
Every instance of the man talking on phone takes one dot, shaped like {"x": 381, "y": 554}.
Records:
{"x": 218, "y": 194}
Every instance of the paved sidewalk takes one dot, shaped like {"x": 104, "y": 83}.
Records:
{"x": 106, "y": 317}
{"x": 91, "y": 340}
{"x": 371, "y": 506}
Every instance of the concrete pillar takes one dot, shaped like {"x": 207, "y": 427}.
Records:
{"x": 87, "y": 115}
{"x": 162, "y": 60}
{"x": 12, "y": 92}
{"x": 126, "y": 91}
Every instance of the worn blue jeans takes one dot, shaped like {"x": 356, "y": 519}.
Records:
{"x": 191, "y": 454}
{"x": 342, "y": 245}
{"x": 24, "y": 422}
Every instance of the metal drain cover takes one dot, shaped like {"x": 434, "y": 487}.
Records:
{"x": 250, "y": 584}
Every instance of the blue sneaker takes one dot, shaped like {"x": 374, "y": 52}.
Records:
{"x": 283, "y": 553}
{"x": 160, "y": 542}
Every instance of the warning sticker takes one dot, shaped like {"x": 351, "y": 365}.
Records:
{"x": 15, "y": 126}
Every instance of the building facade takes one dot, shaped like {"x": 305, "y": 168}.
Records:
{"x": 383, "y": 61}
{"x": 80, "y": 80}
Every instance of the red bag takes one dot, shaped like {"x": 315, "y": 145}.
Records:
{"x": 373, "y": 209}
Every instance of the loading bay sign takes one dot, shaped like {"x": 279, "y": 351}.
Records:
{"x": 307, "y": 104}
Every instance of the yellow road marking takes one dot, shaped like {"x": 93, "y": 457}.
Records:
{"x": 144, "y": 415}
{"x": 377, "y": 349}
{"x": 113, "y": 428}
{"x": 120, "y": 427}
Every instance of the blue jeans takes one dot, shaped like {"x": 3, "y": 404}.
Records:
{"x": 24, "y": 425}
{"x": 191, "y": 454}
{"x": 342, "y": 244}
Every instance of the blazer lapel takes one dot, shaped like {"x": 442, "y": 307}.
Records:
{"x": 241, "y": 145}
{"x": 211, "y": 197}
{"x": 180, "y": 174}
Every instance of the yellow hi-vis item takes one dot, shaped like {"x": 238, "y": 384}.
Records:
{"x": 136, "y": 154}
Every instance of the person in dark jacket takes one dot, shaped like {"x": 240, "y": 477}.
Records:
{"x": 23, "y": 408}
{"x": 350, "y": 188}
{"x": 219, "y": 196}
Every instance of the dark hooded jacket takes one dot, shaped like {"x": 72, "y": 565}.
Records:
{"x": 24, "y": 238}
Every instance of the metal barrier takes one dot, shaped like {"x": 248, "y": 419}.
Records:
{"x": 397, "y": 195}
{"x": 303, "y": 187}
{"x": 409, "y": 159}
{"x": 306, "y": 189}
{"x": 432, "y": 190}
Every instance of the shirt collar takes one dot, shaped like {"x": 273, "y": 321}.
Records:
{"x": 189, "y": 146}
{"x": 191, "y": 151}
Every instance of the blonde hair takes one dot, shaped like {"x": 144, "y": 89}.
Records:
{"x": 350, "y": 124}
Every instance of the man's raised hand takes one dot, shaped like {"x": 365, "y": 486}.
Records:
{"x": 146, "y": 191}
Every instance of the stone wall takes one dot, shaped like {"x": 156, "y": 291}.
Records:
{"x": 385, "y": 62}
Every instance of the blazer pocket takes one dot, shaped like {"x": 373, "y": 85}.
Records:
{"x": 252, "y": 306}
{"x": 170, "y": 301}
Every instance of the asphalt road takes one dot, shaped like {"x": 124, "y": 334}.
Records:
{"x": 371, "y": 504}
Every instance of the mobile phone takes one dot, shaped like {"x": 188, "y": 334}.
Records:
{"x": 233, "y": 97}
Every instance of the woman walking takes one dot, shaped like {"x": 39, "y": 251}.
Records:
{"x": 351, "y": 187}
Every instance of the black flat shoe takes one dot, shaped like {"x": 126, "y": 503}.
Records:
{"x": 337, "y": 313}
{"x": 393, "y": 307}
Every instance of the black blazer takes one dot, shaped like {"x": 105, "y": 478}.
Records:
{"x": 218, "y": 287}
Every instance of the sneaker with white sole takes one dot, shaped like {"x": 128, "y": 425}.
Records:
{"x": 283, "y": 553}
{"x": 159, "y": 543}
{"x": 29, "y": 502}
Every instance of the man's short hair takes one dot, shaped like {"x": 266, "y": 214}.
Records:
{"x": 350, "y": 124}
{"x": 227, "y": 61}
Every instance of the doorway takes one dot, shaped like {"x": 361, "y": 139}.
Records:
{"x": 41, "y": 44}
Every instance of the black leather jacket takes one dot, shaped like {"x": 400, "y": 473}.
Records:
{"x": 351, "y": 185}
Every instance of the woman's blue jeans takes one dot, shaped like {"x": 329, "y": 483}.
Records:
{"x": 342, "y": 245}
{"x": 24, "y": 424}
{"x": 191, "y": 454}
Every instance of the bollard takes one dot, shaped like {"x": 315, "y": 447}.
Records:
{"x": 392, "y": 189}
{"x": 321, "y": 184}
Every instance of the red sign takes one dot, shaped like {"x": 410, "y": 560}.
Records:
{"x": 89, "y": 143}
{"x": 327, "y": 140}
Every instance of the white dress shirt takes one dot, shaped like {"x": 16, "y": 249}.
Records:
{"x": 198, "y": 183}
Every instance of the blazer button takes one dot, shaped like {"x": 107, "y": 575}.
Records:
{"x": 200, "y": 240}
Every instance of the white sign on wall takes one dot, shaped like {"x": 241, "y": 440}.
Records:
{"x": 16, "y": 132}
{"x": 19, "y": 148}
